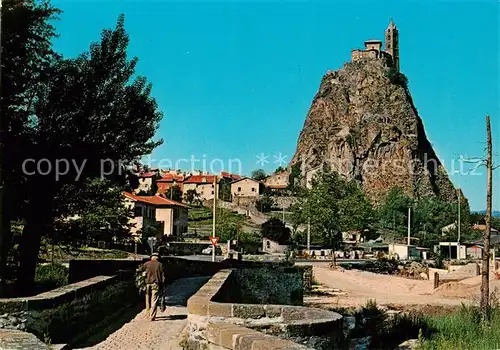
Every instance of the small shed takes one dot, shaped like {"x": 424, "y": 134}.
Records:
{"x": 270, "y": 246}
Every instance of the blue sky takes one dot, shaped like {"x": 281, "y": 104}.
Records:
{"x": 235, "y": 79}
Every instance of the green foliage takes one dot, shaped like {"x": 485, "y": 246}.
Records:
{"x": 429, "y": 215}
{"x": 198, "y": 214}
{"x": 225, "y": 190}
{"x": 264, "y": 204}
{"x": 91, "y": 211}
{"x": 51, "y": 276}
{"x": 192, "y": 197}
{"x": 174, "y": 193}
{"x": 333, "y": 205}
{"x": 228, "y": 225}
{"x": 275, "y": 230}
{"x": 151, "y": 230}
{"x": 294, "y": 177}
{"x": 88, "y": 109}
{"x": 279, "y": 170}
{"x": 464, "y": 330}
{"x": 259, "y": 174}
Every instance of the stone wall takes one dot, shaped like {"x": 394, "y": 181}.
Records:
{"x": 267, "y": 285}
{"x": 17, "y": 340}
{"x": 217, "y": 322}
{"x": 63, "y": 314}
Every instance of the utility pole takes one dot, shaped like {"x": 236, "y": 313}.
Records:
{"x": 283, "y": 213}
{"x": 458, "y": 228}
{"x": 308, "y": 235}
{"x": 485, "y": 288}
{"x": 214, "y": 213}
{"x": 409, "y": 223}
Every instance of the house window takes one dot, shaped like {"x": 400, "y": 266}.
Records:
{"x": 253, "y": 189}
{"x": 212, "y": 192}
{"x": 268, "y": 244}
{"x": 239, "y": 189}
{"x": 138, "y": 211}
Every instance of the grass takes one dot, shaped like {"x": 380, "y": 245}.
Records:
{"x": 203, "y": 217}
{"x": 61, "y": 253}
{"x": 461, "y": 329}
{"x": 279, "y": 215}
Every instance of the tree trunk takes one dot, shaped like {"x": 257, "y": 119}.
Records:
{"x": 485, "y": 290}
{"x": 38, "y": 222}
{"x": 5, "y": 245}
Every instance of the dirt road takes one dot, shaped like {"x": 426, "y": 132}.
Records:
{"x": 357, "y": 287}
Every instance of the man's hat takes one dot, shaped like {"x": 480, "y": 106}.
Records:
{"x": 155, "y": 254}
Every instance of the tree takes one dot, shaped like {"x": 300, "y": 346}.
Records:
{"x": 294, "y": 177}
{"x": 91, "y": 212}
{"x": 393, "y": 212}
{"x": 264, "y": 204}
{"x": 191, "y": 196}
{"x": 224, "y": 190}
{"x": 259, "y": 174}
{"x": 275, "y": 229}
{"x": 333, "y": 205}
{"x": 27, "y": 56}
{"x": 174, "y": 193}
{"x": 91, "y": 111}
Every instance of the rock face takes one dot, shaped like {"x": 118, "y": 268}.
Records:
{"x": 363, "y": 124}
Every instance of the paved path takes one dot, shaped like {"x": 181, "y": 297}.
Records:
{"x": 161, "y": 334}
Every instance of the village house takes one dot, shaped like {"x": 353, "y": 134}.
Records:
{"x": 168, "y": 180}
{"x": 147, "y": 210}
{"x": 246, "y": 190}
{"x": 145, "y": 182}
{"x": 272, "y": 247}
{"x": 202, "y": 184}
{"x": 277, "y": 182}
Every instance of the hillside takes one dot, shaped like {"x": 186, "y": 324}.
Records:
{"x": 363, "y": 124}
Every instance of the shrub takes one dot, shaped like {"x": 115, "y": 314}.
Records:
{"x": 51, "y": 276}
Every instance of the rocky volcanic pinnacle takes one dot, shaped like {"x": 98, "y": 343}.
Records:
{"x": 365, "y": 126}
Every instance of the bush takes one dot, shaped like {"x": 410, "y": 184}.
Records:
{"x": 51, "y": 276}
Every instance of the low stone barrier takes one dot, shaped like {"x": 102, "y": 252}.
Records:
{"x": 232, "y": 325}
{"x": 17, "y": 340}
{"x": 60, "y": 315}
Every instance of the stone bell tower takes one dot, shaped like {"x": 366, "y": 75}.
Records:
{"x": 392, "y": 43}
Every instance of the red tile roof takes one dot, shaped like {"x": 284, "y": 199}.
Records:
{"x": 229, "y": 175}
{"x": 200, "y": 179}
{"x": 154, "y": 200}
{"x": 149, "y": 174}
{"x": 171, "y": 177}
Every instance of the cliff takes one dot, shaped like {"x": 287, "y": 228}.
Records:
{"x": 362, "y": 122}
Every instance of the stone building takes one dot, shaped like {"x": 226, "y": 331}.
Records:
{"x": 373, "y": 48}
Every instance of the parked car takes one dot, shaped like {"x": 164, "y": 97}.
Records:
{"x": 208, "y": 250}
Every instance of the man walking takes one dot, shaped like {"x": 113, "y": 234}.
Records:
{"x": 155, "y": 278}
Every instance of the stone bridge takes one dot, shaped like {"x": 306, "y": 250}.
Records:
{"x": 207, "y": 303}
